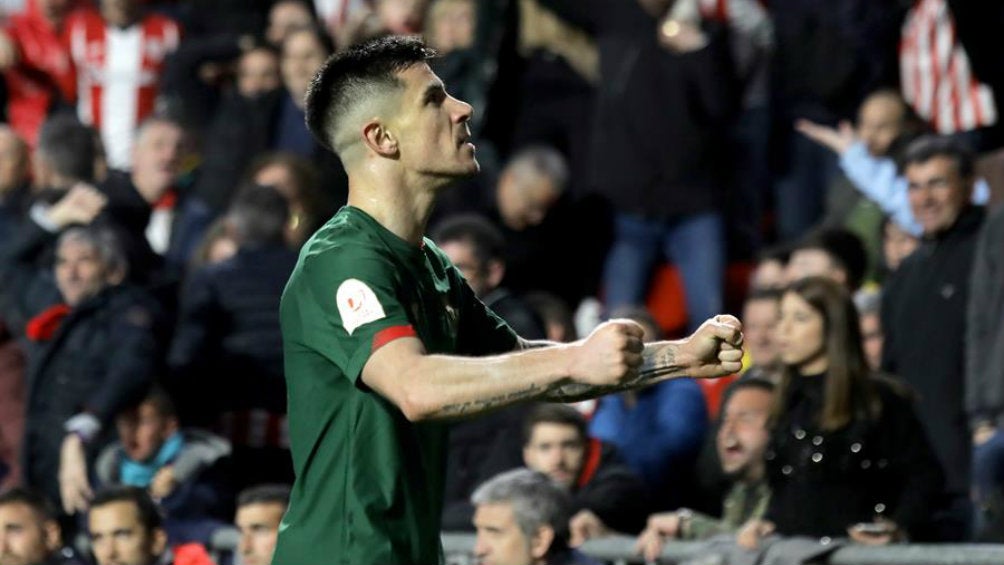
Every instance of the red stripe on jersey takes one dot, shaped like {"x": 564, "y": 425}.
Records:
{"x": 592, "y": 462}
{"x": 387, "y": 335}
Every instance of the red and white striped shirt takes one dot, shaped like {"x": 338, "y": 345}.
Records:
{"x": 118, "y": 73}
{"x": 937, "y": 77}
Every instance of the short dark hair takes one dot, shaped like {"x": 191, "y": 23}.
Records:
{"x": 40, "y": 505}
{"x": 752, "y": 383}
{"x": 487, "y": 241}
{"x": 554, "y": 414}
{"x": 355, "y": 74}
{"x": 258, "y": 215}
{"x": 264, "y": 494}
{"x": 160, "y": 399}
{"x": 149, "y": 513}
{"x": 927, "y": 147}
{"x": 844, "y": 247}
{"x": 68, "y": 146}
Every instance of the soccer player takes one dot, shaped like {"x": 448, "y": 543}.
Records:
{"x": 384, "y": 340}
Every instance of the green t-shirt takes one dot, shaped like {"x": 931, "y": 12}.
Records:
{"x": 369, "y": 483}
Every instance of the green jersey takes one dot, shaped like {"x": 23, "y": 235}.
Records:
{"x": 369, "y": 483}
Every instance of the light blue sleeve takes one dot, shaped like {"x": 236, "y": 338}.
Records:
{"x": 878, "y": 180}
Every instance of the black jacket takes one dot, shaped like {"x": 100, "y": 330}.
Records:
{"x": 243, "y": 129}
{"x": 985, "y": 326}
{"x": 227, "y": 349}
{"x": 101, "y": 359}
{"x": 610, "y": 489}
{"x": 822, "y": 482}
{"x": 924, "y": 320}
{"x": 660, "y": 117}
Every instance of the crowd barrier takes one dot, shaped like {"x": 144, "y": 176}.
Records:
{"x": 620, "y": 550}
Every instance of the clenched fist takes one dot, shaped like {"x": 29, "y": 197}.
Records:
{"x": 610, "y": 355}
{"x": 715, "y": 349}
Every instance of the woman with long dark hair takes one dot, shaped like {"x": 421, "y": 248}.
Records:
{"x": 848, "y": 456}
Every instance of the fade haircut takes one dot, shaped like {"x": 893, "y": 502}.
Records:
{"x": 357, "y": 75}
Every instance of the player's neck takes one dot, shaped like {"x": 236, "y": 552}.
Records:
{"x": 404, "y": 210}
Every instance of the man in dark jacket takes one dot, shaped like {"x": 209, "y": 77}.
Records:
{"x": 90, "y": 357}
{"x": 606, "y": 495}
{"x": 663, "y": 108}
{"x": 226, "y": 358}
{"x": 924, "y": 306}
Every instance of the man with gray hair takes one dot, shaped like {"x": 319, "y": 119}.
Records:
{"x": 522, "y": 519}
{"x": 89, "y": 357}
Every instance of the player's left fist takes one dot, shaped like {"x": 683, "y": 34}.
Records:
{"x": 715, "y": 349}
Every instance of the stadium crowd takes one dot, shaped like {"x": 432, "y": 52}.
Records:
{"x": 825, "y": 169}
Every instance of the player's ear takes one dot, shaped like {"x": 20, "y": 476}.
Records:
{"x": 380, "y": 139}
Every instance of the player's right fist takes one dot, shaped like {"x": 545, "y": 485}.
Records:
{"x": 609, "y": 355}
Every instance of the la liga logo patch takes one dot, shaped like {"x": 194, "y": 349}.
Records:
{"x": 357, "y": 304}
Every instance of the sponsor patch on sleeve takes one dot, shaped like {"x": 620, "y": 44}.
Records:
{"x": 357, "y": 304}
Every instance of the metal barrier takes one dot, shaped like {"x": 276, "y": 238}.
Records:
{"x": 620, "y": 550}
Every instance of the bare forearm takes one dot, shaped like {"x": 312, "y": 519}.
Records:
{"x": 453, "y": 387}
{"x": 659, "y": 363}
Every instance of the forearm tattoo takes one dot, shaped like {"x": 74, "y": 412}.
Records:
{"x": 484, "y": 404}
{"x": 658, "y": 361}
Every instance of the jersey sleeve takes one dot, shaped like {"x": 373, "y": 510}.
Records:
{"x": 354, "y": 298}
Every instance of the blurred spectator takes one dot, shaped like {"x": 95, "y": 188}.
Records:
{"x": 31, "y": 533}
{"x": 658, "y": 430}
{"x": 522, "y": 519}
{"x": 15, "y": 188}
{"x": 484, "y": 446}
{"x": 37, "y": 66}
{"x": 226, "y": 357}
{"x": 742, "y": 438}
{"x": 183, "y": 469}
{"x": 259, "y": 513}
{"x": 555, "y": 83}
{"x": 126, "y": 528}
{"x": 286, "y": 17}
{"x": 119, "y": 52}
{"x": 165, "y": 221}
{"x": 559, "y": 326}
{"x": 770, "y": 271}
{"x": 217, "y": 245}
{"x": 540, "y": 221}
{"x": 12, "y": 407}
{"x": 662, "y": 113}
{"x": 298, "y": 181}
{"x": 606, "y": 494}
{"x": 897, "y": 244}
{"x": 245, "y": 127}
{"x": 63, "y": 168}
{"x": 340, "y": 16}
{"x": 90, "y": 357}
{"x": 848, "y": 456}
{"x": 828, "y": 56}
{"x": 450, "y": 26}
{"x": 984, "y": 371}
{"x": 476, "y": 248}
{"x": 877, "y": 175}
{"x": 924, "y": 307}
{"x": 834, "y": 253}
{"x": 258, "y": 71}
{"x": 868, "y": 304}
{"x": 759, "y": 317}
